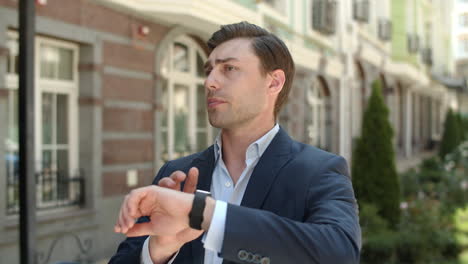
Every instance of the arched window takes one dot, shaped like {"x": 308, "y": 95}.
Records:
{"x": 184, "y": 125}
{"x": 316, "y": 116}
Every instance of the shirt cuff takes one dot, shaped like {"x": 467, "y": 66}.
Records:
{"x": 214, "y": 237}
{"x": 145, "y": 254}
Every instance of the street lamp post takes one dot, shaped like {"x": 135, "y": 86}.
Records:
{"x": 27, "y": 183}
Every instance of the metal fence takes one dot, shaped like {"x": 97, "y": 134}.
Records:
{"x": 54, "y": 189}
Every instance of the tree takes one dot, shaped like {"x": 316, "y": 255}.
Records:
{"x": 451, "y": 137}
{"x": 375, "y": 178}
{"x": 461, "y": 127}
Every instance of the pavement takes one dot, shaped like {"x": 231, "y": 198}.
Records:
{"x": 406, "y": 163}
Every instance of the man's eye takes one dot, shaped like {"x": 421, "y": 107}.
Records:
{"x": 229, "y": 68}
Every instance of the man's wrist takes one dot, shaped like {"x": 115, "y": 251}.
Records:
{"x": 159, "y": 253}
{"x": 208, "y": 213}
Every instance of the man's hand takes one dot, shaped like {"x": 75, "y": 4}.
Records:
{"x": 175, "y": 180}
{"x": 162, "y": 247}
{"x": 167, "y": 209}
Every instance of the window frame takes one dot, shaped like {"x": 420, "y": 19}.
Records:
{"x": 55, "y": 87}
{"x": 193, "y": 82}
{"x": 311, "y": 32}
{"x": 463, "y": 44}
{"x": 463, "y": 20}
{"x": 315, "y": 101}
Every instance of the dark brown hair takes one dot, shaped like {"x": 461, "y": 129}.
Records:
{"x": 271, "y": 51}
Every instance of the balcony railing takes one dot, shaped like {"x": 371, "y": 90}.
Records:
{"x": 53, "y": 190}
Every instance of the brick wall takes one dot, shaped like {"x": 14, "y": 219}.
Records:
{"x": 127, "y": 85}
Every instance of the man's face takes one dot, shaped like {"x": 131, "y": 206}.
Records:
{"x": 236, "y": 90}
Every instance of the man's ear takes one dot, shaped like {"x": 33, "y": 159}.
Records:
{"x": 277, "y": 81}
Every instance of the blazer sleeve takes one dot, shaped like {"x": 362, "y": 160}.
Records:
{"x": 329, "y": 232}
{"x": 129, "y": 250}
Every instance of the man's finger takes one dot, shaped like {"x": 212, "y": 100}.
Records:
{"x": 173, "y": 181}
{"x": 192, "y": 180}
{"x": 134, "y": 199}
{"x": 178, "y": 176}
{"x": 167, "y": 183}
{"x": 141, "y": 229}
{"x": 118, "y": 225}
{"x": 121, "y": 220}
{"x": 129, "y": 217}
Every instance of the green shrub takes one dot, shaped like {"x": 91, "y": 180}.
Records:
{"x": 461, "y": 127}
{"x": 379, "y": 242}
{"x": 451, "y": 137}
{"x": 424, "y": 235}
{"x": 409, "y": 182}
{"x": 374, "y": 173}
{"x": 433, "y": 228}
{"x": 465, "y": 126}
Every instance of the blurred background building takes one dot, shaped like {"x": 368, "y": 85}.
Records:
{"x": 119, "y": 90}
{"x": 460, "y": 51}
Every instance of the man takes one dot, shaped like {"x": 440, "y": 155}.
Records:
{"x": 274, "y": 200}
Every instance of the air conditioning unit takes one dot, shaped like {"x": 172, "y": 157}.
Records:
{"x": 361, "y": 10}
{"x": 413, "y": 43}
{"x": 324, "y": 16}
{"x": 385, "y": 29}
{"x": 426, "y": 55}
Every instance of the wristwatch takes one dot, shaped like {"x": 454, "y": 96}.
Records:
{"x": 198, "y": 206}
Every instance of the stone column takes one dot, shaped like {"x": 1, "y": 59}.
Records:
{"x": 408, "y": 126}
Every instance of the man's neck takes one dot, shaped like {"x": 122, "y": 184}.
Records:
{"x": 235, "y": 143}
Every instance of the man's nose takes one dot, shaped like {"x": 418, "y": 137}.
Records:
{"x": 211, "y": 81}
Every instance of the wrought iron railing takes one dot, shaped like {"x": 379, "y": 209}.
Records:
{"x": 54, "y": 189}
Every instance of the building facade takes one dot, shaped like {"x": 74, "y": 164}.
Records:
{"x": 460, "y": 51}
{"x": 119, "y": 91}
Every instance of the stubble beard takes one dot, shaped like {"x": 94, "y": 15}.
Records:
{"x": 231, "y": 118}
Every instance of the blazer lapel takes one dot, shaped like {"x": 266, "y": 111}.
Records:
{"x": 264, "y": 174}
{"x": 205, "y": 165}
{"x": 266, "y": 171}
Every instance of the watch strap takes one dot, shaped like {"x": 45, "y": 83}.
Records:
{"x": 198, "y": 206}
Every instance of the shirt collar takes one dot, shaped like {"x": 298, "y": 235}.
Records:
{"x": 255, "y": 150}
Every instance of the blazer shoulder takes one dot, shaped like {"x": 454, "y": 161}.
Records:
{"x": 305, "y": 150}
{"x": 317, "y": 159}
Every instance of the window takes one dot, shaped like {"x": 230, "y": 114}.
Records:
{"x": 56, "y": 96}
{"x": 463, "y": 45}
{"x": 278, "y": 5}
{"x": 463, "y": 20}
{"x": 184, "y": 125}
{"x": 324, "y": 16}
{"x": 12, "y": 137}
{"x": 316, "y": 116}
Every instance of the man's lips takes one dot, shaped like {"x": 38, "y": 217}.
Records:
{"x": 213, "y": 102}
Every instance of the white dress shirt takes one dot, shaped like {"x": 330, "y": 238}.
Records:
{"x": 224, "y": 191}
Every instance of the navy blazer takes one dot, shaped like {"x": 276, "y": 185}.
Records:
{"x": 299, "y": 207}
